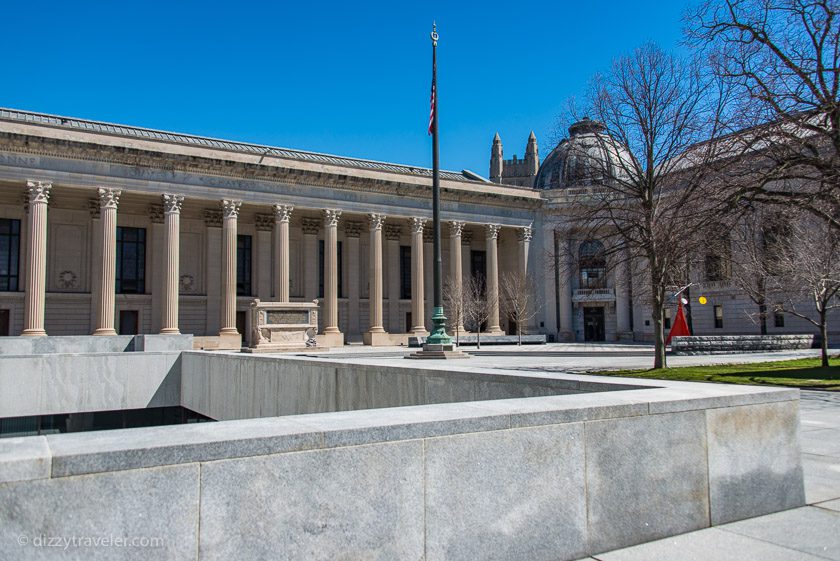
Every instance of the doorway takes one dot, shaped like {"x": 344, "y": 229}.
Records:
{"x": 593, "y": 324}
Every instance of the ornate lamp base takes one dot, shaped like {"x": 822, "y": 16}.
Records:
{"x": 438, "y": 343}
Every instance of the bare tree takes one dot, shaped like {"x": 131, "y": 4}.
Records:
{"x": 753, "y": 242}
{"x": 519, "y": 300}
{"x": 453, "y": 295}
{"x": 478, "y": 305}
{"x": 782, "y": 61}
{"x": 803, "y": 272}
{"x": 649, "y": 201}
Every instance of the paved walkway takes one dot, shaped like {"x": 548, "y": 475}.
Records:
{"x": 810, "y": 533}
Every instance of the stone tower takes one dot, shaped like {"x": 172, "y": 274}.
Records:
{"x": 496, "y": 161}
{"x": 515, "y": 171}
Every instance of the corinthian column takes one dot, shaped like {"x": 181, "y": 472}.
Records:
{"x": 456, "y": 278}
{"x": 417, "y": 225}
{"x": 331, "y": 272}
{"x": 375, "y": 291}
{"x": 108, "y": 201}
{"x": 230, "y": 212}
{"x": 492, "y": 238}
{"x": 172, "y": 222}
{"x": 282, "y": 215}
{"x": 38, "y": 195}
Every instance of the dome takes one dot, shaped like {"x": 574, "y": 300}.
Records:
{"x": 590, "y": 156}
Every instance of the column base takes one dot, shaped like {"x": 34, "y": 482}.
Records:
{"x": 377, "y": 338}
{"x": 330, "y": 339}
{"x": 419, "y": 332}
{"x": 33, "y": 333}
{"x": 105, "y": 332}
{"x": 170, "y": 331}
{"x": 496, "y": 331}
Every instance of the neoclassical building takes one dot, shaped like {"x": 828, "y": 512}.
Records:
{"x": 110, "y": 229}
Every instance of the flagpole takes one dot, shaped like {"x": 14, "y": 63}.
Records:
{"x": 438, "y": 343}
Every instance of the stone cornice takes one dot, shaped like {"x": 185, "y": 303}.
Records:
{"x": 134, "y": 157}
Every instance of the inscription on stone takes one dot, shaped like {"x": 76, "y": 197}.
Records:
{"x": 14, "y": 160}
{"x": 286, "y": 317}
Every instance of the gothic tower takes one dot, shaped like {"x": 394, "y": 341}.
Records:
{"x": 496, "y": 161}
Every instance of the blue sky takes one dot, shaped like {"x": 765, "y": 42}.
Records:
{"x": 344, "y": 78}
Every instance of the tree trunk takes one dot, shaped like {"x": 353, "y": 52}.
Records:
{"x": 478, "y": 337}
{"x": 659, "y": 360}
{"x": 824, "y": 337}
{"x": 762, "y": 306}
{"x": 519, "y": 331}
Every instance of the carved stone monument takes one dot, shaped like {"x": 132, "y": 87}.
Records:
{"x": 282, "y": 326}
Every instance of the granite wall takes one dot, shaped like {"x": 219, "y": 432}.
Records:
{"x": 544, "y": 478}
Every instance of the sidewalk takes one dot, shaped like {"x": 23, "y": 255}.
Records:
{"x": 810, "y": 533}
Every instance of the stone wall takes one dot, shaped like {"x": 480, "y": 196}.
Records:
{"x": 726, "y": 344}
{"x": 544, "y": 478}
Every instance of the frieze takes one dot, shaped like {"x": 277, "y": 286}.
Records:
{"x": 145, "y": 164}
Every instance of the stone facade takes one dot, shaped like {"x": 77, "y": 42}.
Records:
{"x": 124, "y": 230}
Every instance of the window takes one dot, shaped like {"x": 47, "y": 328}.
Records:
{"x": 478, "y": 266}
{"x": 405, "y": 273}
{"x": 778, "y": 316}
{"x": 717, "y": 262}
{"x": 592, "y": 264}
{"x": 339, "y": 269}
{"x": 667, "y": 318}
{"x": 9, "y": 255}
{"x": 131, "y": 260}
{"x": 718, "y": 317}
{"x": 243, "y": 265}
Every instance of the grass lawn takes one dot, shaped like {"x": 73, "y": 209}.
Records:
{"x": 799, "y": 373}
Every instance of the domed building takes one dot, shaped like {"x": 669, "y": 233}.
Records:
{"x": 589, "y": 156}
{"x": 582, "y": 301}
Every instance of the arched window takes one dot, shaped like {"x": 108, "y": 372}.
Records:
{"x": 592, "y": 264}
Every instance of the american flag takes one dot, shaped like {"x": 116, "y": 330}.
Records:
{"x": 432, "y": 102}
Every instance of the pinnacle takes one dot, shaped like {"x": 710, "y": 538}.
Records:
{"x": 497, "y": 138}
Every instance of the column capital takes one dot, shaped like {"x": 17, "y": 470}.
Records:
{"x": 264, "y": 222}
{"x": 38, "y": 192}
{"x": 525, "y": 233}
{"x": 455, "y": 228}
{"x": 212, "y": 218}
{"x": 466, "y": 237}
{"x": 429, "y": 235}
{"x": 376, "y": 221}
{"x": 172, "y": 203}
{"x": 282, "y": 213}
{"x": 393, "y": 232}
{"x": 417, "y": 224}
{"x": 230, "y": 208}
{"x": 352, "y": 229}
{"x": 331, "y": 216}
{"x": 109, "y": 198}
{"x": 310, "y": 225}
{"x": 156, "y": 213}
{"x": 491, "y": 231}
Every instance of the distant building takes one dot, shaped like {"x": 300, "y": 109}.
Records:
{"x": 519, "y": 172}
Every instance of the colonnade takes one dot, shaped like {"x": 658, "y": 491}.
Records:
{"x": 105, "y": 294}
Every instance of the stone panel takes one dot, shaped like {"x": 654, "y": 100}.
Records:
{"x": 646, "y": 478}
{"x": 513, "y": 495}
{"x": 362, "y": 502}
{"x": 755, "y": 465}
{"x": 158, "y": 503}
{"x": 24, "y": 458}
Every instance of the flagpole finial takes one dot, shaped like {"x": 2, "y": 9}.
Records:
{"x": 434, "y": 34}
